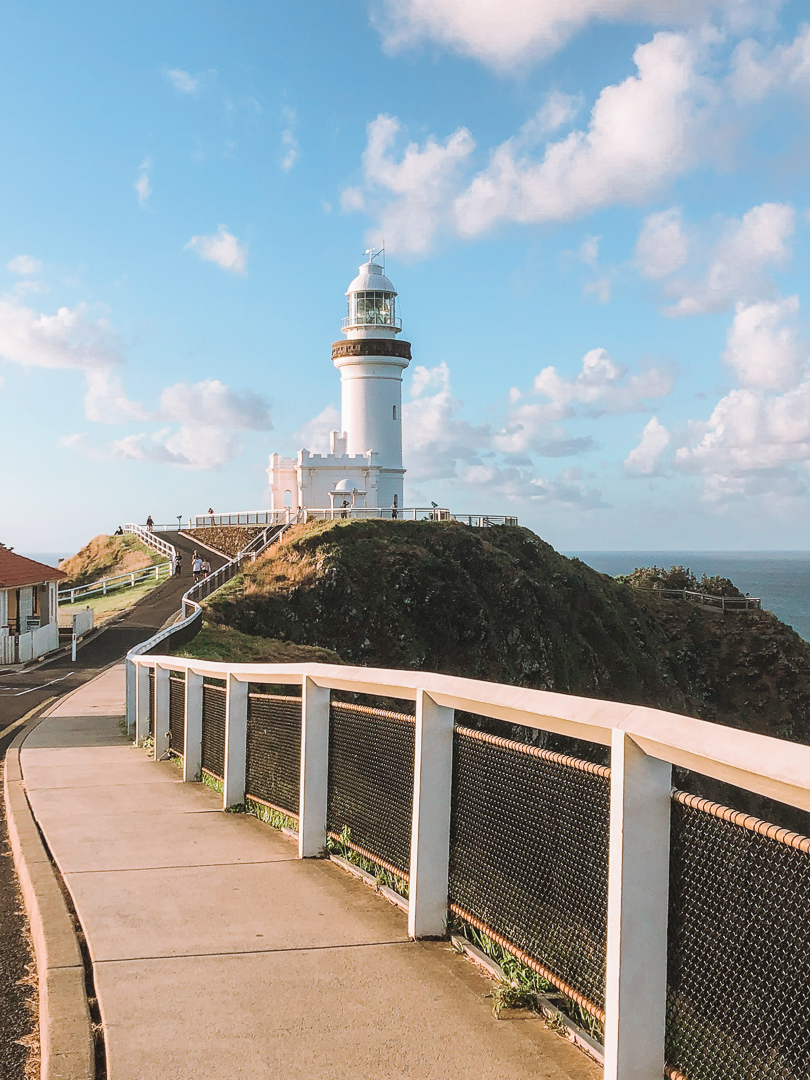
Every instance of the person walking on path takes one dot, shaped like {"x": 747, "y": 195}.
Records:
{"x": 206, "y": 567}
{"x": 178, "y": 564}
{"x": 149, "y": 523}
{"x": 196, "y": 567}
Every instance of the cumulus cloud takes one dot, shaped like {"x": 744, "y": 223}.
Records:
{"x": 502, "y": 33}
{"x": 756, "y": 72}
{"x": 314, "y": 434}
{"x": 24, "y": 265}
{"x": 763, "y": 346}
{"x": 410, "y": 195}
{"x": 69, "y": 339}
{"x": 143, "y": 184}
{"x": 645, "y": 458}
{"x": 210, "y": 416}
{"x": 757, "y": 439}
{"x": 643, "y": 132}
{"x": 183, "y": 81}
{"x": 289, "y": 142}
{"x": 662, "y": 246}
{"x": 222, "y": 248}
{"x": 436, "y": 439}
{"x": 739, "y": 263}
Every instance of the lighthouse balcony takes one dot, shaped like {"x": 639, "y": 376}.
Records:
{"x": 373, "y": 318}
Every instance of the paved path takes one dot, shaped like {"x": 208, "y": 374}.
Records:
{"x": 216, "y": 952}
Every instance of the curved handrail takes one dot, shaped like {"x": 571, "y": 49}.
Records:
{"x": 187, "y": 627}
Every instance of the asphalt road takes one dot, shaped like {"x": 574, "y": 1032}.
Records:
{"x": 21, "y": 693}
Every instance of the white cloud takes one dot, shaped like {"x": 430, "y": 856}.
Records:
{"x": 737, "y": 269}
{"x": 503, "y": 33}
{"x": 289, "y": 142}
{"x": 763, "y": 345}
{"x": 69, "y": 339}
{"x": 642, "y": 133}
{"x": 24, "y": 265}
{"x": 222, "y": 248}
{"x": 314, "y": 434}
{"x": 183, "y": 81}
{"x": 210, "y": 414}
{"x": 757, "y": 73}
{"x": 662, "y": 247}
{"x": 645, "y": 458}
{"x": 143, "y": 184}
{"x": 757, "y": 440}
{"x": 410, "y": 196}
{"x": 436, "y": 440}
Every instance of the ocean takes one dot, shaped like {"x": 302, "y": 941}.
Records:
{"x": 780, "y": 578}
{"x": 50, "y": 558}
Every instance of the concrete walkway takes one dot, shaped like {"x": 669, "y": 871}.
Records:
{"x": 216, "y": 952}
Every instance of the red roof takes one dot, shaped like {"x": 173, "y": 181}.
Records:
{"x": 16, "y": 570}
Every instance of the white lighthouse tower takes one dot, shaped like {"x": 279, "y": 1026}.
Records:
{"x": 364, "y": 466}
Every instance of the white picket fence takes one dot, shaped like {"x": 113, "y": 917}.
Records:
{"x": 20, "y": 648}
{"x": 115, "y": 581}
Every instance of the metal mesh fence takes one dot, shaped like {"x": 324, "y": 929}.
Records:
{"x": 213, "y": 728}
{"x": 273, "y": 767}
{"x": 371, "y": 753}
{"x": 739, "y": 946}
{"x": 529, "y": 857}
{"x": 177, "y": 712}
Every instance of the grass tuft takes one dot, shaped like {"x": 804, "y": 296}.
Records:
{"x": 380, "y": 874}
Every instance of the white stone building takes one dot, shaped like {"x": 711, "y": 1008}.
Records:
{"x": 364, "y": 463}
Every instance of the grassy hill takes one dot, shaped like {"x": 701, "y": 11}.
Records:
{"x": 105, "y": 556}
{"x": 501, "y": 604}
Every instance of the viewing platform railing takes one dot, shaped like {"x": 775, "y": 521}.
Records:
{"x": 724, "y": 603}
{"x": 680, "y": 927}
{"x": 389, "y": 513}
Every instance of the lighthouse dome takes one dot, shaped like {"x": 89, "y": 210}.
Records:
{"x": 371, "y": 278}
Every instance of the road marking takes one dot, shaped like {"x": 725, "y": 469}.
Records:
{"x": 24, "y": 719}
{"x": 42, "y": 687}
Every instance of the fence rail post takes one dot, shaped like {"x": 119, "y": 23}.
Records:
{"x": 638, "y": 893}
{"x": 141, "y": 702}
{"x": 160, "y": 721}
{"x": 192, "y": 728}
{"x": 236, "y": 702}
{"x": 430, "y": 824}
{"x": 314, "y": 769}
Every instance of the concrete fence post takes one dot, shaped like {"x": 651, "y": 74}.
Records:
{"x": 430, "y": 827}
{"x": 160, "y": 721}
{"x": 638, "y": 894}
{"x": 141, "y": 702}
{"x": 236, "y": 703}
{"x": 314, "y": 769}
{"x": 192, "y": 728}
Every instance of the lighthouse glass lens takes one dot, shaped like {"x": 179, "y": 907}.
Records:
{"x": 372, "y": 307}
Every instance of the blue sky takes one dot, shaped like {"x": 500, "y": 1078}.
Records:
{"x": 598, "y": 229}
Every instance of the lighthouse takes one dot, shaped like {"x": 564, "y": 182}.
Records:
{"x": 364, "y": 465}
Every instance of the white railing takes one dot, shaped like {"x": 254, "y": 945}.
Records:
{"x": 724, "y": 603}
{"x": 148, "y": 537}
{"x": 191, "y": 612}
{"x": 332, "y": 513}
{"x": 245, "y": 517}
{"x": 127, "y": 580}
{"x": 645, "y": 744}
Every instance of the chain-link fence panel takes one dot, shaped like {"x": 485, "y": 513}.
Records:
{"x": 529, "y": 857}
{"x": 371, "y": 753}
{"x": 739, "y": 946}
{"x": 213, "y": 729}
{"x": 273, "y": 766}
{"x": 177, "y": 713}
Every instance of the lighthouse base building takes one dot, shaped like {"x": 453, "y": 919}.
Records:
{"x": 364, "y": 465}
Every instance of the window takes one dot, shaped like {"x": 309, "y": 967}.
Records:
{"x": 395, "y": 412}
{"x": 288, "y": 498}
{"x": 376, "y": 308}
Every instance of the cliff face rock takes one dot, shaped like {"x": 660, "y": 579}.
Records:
{"x": 500, "y": 604}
